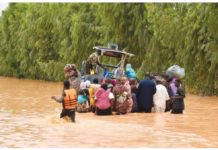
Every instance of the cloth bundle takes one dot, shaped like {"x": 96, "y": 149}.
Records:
{"x": 71, "y": 70}
{"x": 176, "y": 71}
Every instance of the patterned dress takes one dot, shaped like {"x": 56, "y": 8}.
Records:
{"x": 123, "y": 100}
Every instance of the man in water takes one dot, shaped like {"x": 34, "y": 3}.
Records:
{"x": 146, "y": 90}
{"x": 68, "y": 100}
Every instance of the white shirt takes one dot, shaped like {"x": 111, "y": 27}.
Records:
{"x": 161, "y": 96}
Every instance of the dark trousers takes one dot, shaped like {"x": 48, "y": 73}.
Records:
{"x": 103, "y": 112}
{"x": 177, "y": 111}
{"x": 178, "y": 106}
{"x": 70, "y": 113}
{"x": 146, "y": 110}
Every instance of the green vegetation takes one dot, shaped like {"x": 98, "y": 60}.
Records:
{"x": 38, "y": 39}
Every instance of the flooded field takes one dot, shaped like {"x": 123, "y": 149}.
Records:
{"x": 29, "y": 118}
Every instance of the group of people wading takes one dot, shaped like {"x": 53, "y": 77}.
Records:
{"x": 120, "y": 96}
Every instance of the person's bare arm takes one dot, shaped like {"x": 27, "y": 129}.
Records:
{"x": 59, "y": 100}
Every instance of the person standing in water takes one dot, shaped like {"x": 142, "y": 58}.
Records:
{"x": 160, "y": 97}
{"x": 178, "y": 96}
{"x": 146, "y": 90}
{"x": 103, "y": 97}
{"x": 68, "y": 100}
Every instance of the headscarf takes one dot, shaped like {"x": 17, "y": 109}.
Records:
{"x": 128, "y": 66}
{"x": 82, "y": 85}
{"x": 120, "y": 88}
{"x": 93, "y": 58}
{"x": 130, "y": 72}
{"x": 88, "y": 84}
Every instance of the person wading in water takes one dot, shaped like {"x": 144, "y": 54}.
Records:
{"x": 68, "y": 100}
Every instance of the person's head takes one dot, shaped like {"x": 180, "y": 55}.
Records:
{"x": 66, "y": 68}
{"x": 93, "y": 58}
{"x": 147, "y": 76}
{"x": 66, "y": 84}
{"x": 152, "y": 77}
{"x": 132, "y": 81}
{"x": 113, "y": 82}
{"x": 104, "y": 86}
{"x": 73, "y": 73}
{"x": 165, "y": 76}
{"x": 171, "y": 79}
{"x": 95, "y": 81}
{"x": 123, "y": 79}
{"x": 158, "y": 82}
{"x": 128, "y": 66}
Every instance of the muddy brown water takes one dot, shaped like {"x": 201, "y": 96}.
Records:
{"x": 29, "y": 118}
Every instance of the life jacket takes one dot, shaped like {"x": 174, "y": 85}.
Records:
{"x": 70, "y": 100}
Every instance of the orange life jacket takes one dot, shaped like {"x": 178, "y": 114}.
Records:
{"x": 70, "y": 100}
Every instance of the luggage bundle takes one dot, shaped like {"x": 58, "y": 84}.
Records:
{"x": 70, "y": 70}
{"x": 176, "y": 71}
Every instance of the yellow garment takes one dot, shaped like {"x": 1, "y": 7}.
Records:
{"x": 92, "y": 72}
{"x": 91, "y": 96}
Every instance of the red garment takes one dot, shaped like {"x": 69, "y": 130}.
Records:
{"x": 120, "y": 88}
{"x": 103, "y": 101}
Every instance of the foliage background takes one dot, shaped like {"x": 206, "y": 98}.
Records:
{"x": 38, "y": 39}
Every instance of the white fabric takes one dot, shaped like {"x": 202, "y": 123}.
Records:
{"x": 158, "y": 109}
{"x": 82, "y": 85}
{"x": 88, "y": 83}
{"x": 161, "y": 96}
{"x": 111, "y": 95}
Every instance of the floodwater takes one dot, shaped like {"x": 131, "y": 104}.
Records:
{"x": 29, "y": 118}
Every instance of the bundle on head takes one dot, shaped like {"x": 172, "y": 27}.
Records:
{"x": 70, "y": 70}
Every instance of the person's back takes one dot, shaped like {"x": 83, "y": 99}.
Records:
{"x": 178, "y": 99}
{"x": 103, "y": 101}
{"x": 160, "y": 98}
{"x": 68, "y": 100}
{"x": 134, "y": 88}
{"x": 146, "y": 90}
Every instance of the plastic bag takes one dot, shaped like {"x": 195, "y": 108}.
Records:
{"x": 176, "y": 71}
